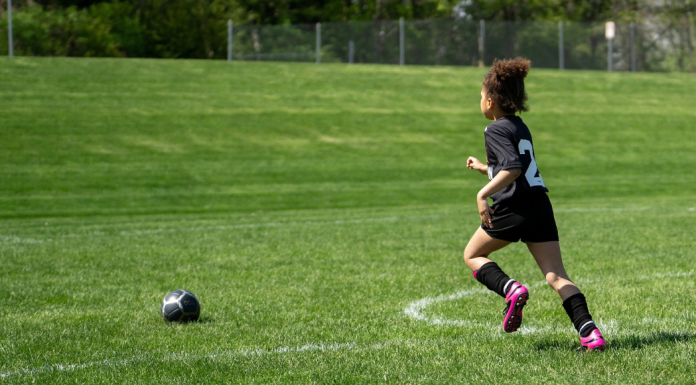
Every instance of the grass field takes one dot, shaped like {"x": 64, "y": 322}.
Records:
{"x": 319, "y": 213}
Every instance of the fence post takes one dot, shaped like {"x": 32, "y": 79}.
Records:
{"x": 633, "y": 47}
{"x": 318, "y": 43}
{"x": 9, "y": 28}
{"x": 402, "y": 56}
{"x": 351, "y": 51}
{"x": 229, "y": 40}
{"x": 609, "y": 32}
{"x": 609, "y": 61}
{"x": 561, "y": 56}
{"x": 482, "y": 43}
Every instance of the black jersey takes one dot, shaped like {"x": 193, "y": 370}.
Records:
{"x": 509, "y": 145}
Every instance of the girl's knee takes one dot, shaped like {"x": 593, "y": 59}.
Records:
{"x": 467, "y": 257}
{"x": 553, "y": 279}
{"x": 471, "y": 253}
{"x": 558, "y": 282}
{"x": 467, "y": 253}
{"x": 472, "y": 259}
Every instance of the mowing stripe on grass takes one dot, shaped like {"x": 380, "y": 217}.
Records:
{"x": 126, "y": 233}
{"x": 278, "y": 224}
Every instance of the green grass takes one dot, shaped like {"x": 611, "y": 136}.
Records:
{"x": 310, "y": 207}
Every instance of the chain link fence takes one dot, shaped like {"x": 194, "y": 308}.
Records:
{"x": 562, "y": 45}
{"x": 644, "y": 46}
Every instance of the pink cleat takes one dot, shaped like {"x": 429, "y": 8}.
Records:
{"x": 516, "y": 298}
{"x": 593, "y": 342}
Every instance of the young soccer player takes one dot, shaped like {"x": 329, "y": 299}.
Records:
{"x": 521, "y": 208}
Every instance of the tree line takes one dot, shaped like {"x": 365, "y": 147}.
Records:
{"x": 196, "y": 28}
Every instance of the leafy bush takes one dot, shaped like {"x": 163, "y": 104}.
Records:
{"x": 61, "y": 32}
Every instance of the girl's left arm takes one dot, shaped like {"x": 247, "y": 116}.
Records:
{"x": 499, "y": 182}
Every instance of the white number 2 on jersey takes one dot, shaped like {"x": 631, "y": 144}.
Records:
{"x": 531, "y": 173}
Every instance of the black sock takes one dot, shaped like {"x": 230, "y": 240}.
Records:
{"x": 576, "y": 308}
{"x": 493, "y": 278}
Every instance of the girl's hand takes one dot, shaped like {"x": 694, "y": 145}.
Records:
{"x": 485, "y": 211}
{"x": 476, "y": 164}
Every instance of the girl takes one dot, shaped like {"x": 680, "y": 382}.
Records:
{"x": 521, "y": 209}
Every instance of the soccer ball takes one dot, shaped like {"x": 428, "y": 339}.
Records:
{"x": 180, "y": 306}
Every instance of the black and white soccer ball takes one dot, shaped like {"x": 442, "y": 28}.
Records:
{"x": 180, "y": 306}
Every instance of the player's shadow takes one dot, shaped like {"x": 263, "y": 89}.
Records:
{"x": 627, "y": 342}
{"x": 635, "y": 342}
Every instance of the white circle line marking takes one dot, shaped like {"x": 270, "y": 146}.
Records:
{"x": 416, "y": 309}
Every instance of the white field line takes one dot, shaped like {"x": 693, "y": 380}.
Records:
{"x": 14, "y": 239}
{"x": 610, "y": 327}
{"x": 253, "y": 352}
{"x": 600, "y": 209}
{"x": 667, "y": 275}
{"x": 416, "y": 309}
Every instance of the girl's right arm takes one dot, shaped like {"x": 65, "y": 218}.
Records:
{"x": 476, "y": 164}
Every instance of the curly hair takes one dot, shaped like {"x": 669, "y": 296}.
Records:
{"x": 504, "y": 84}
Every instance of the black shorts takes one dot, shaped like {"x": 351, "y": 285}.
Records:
{"x": 529, "y": 218}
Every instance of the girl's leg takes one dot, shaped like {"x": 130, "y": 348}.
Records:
{"x": 489, "y": 274}
{"x": 479, "y": 247}
{"x": 548, "y": 257}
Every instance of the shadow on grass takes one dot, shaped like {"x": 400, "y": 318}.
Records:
{"x": 627, "y": 342}
{"x": 202, "y": 320}
{"x": 635, "y": 342}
